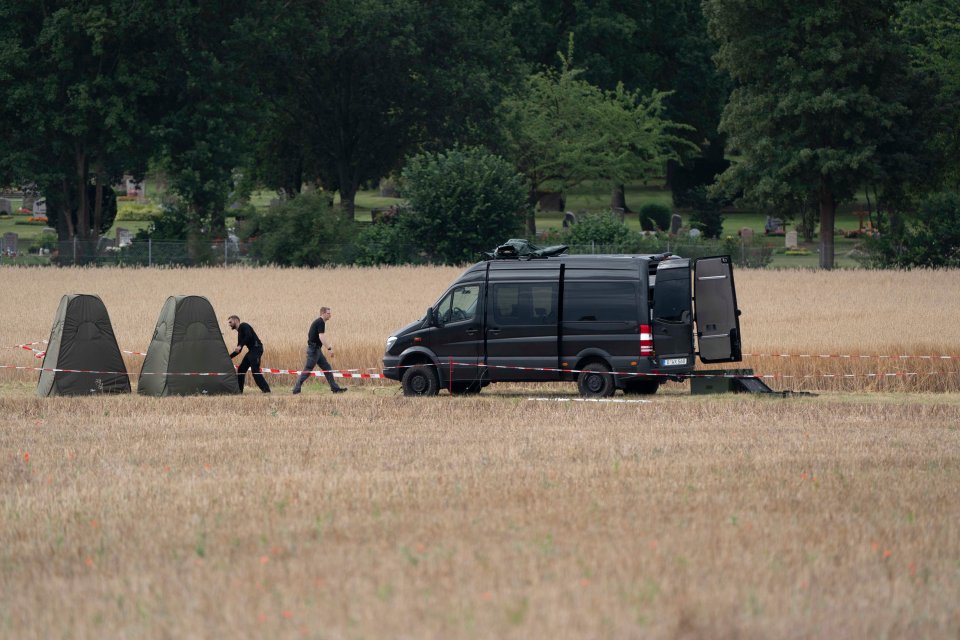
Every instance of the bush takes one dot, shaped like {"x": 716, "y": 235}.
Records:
{"x": 462, "y": 202}
{"x": 600, "y": 229}
{"x": 43, "y": 241}
{"x": 706, "y": 212}
{"x": 930, "y": 238}
{"x": 655, "y": 217}
{"x": 302, "y": 232}
{"x": 138, "y": 212}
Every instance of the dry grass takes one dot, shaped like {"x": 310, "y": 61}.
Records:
{"x": 372, "y": 515}
{"x": 853, "y": 312}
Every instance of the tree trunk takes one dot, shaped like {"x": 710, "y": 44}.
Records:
{"x": 83, "y": 208}
{"x": 618, "y": 200}
{"x": 98, "y": 206}
{"x": 533, "y": 197}
{"x": 66, "y": 215}
{"x": 828, "y": 211}
{"x": 348, "y": 203}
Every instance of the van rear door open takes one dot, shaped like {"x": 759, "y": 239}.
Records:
{"x": 715, "y": 310}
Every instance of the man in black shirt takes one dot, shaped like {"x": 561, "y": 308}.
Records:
{"x": 247, "y": 337}
{"x": 317, "y": 340}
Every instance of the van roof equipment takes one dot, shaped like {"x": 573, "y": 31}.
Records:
{"x": 515, "y": 249}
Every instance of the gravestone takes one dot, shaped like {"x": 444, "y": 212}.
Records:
{"x": 791, "y": 240}
{"x": 27, "y": 203}
{"x": 124, "y": 237}
{"x": 10, "y": 244}
{"x": 746, "y": 233}
{"x": 675, "y": 223}
{"x": 569, "y": 219}
{"x": 6, "y": 206}
{"x": 694, "y": 233}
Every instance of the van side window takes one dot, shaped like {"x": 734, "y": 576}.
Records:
{"x": 600, "y": 302}
{"x": 524, "y": 303}
{"x": 459, "y": 305}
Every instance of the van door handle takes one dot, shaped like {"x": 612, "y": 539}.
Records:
{"x": 472, "y": 332}
{"x": 493, "y": 331}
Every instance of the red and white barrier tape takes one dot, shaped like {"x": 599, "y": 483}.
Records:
{"x": 337, "y": 373}
{"x": 341, "y": 373}
{"x": 849, "y": 357}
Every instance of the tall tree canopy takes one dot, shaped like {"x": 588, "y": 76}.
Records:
{"x": 818, "y": 97}
{"x": 359, "y": 84}
{"x": 562, "y": 131}
{"x": 78, "y": 83}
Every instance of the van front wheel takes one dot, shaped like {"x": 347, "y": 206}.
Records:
{"x": 595, "y": 381}
{"x": 420, "y": 380}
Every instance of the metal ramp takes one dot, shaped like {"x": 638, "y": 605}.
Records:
{"x": 735, "y": 381}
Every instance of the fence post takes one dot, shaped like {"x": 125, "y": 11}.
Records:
{"x": 74, "y": 250}
{"x": 743, "y": 253}
{"x": 593, "y": 247}
{"x": 225, "y": 245}
{"x": 149, "y": 252}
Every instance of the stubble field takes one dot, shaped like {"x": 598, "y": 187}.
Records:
{"x": 373, "y": 515}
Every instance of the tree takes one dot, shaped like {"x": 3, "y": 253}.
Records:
{"x": 562, "y": 130}
{"x": 208, "y": 107}
{"x": 369, "y": 81}
{"x": 463, "y": 201}
{"x": 930, "y": 237}
{"x": 932, "y": 31}
{"x": 77, "y": 80}
{"x": 817, "y": 100}
{"x": 646, "y": 45}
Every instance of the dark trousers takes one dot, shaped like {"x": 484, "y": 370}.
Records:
{"x": 252, "y": 361}
{"x": 315, "y": 358}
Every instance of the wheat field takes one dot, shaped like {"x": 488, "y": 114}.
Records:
{"x": 497, "y": 516}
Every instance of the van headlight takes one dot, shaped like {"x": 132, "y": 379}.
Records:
{"x": 392, "y": 340}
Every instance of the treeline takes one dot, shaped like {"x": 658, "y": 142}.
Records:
{"x": 814, "y": 104}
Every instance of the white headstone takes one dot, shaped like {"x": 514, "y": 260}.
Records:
{"x": 791, "y": 240}
{"x": 5, "y": 206}
{"x": 694, "y": 233}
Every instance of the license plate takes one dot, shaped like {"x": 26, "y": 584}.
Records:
{"x": 672, "y": 362}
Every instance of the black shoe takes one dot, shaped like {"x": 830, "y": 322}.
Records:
{"x": 296, "y": 391}
{"x": 340, "y": 390}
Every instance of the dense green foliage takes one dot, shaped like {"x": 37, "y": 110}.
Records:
{"x": 463, "y": 201}
{"x": 796, "y": 108}
{"x": 822, "y": 98}
{"x": 929, "y": 238}
{"x": 303, "y": 232}
{"x": 655, "y": 217}
{"x": 562, "y": 130}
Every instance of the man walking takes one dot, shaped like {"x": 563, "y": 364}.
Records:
{"x": 317, "y": 341}
{"x": 247, "y": 337}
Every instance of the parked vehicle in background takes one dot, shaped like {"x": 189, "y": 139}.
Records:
{"x": 605, "y": 322}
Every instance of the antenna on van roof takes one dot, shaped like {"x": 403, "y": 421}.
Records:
{"x": 517, "y": 248}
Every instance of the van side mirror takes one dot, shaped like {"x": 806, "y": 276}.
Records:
{"x": 428, "y": 319}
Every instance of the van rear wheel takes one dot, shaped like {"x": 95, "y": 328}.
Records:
{"x": 420, "y": 380}
{"x": 595, "y": 381}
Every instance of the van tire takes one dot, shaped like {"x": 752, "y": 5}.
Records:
{"x": 420, "y": 380}
{"x": 595, "y": 381}
{"x": 641, "y": 387}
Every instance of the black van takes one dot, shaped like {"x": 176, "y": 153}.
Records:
{"x": 602, "y": 321}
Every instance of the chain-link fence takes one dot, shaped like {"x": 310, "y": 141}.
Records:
{"x": 150, "y": 253}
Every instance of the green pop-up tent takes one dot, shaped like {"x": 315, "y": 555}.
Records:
{"x": 82, "y": 339}
{"x": 187, "y": 340}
